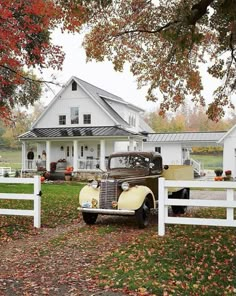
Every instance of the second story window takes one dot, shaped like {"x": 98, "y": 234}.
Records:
{"x": 62, "y": 119}
{"x": 87, "y": 118}
{"x": 74, "y": 115}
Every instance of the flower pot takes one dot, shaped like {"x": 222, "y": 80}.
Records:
{"x": 68, "y": 177}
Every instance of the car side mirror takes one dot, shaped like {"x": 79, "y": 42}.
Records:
{"x": 166, "y": 167}
{"x": 97, "y": 166}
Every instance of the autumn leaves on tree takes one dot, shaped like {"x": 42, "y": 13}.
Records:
{"x": 25, "y": 44}
{"x": 164, "y": 42}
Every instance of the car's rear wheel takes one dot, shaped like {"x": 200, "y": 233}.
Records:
{"x": 182, "y": 194}
{"x": 143, "y": 213}
{"x": 90, "y": 218}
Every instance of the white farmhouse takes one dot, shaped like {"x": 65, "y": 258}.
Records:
{"x": 80, "y": 128}
{"x": 84, "y": 124}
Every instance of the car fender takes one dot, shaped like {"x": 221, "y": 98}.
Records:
{"x": 133, "y": 198}
{"x": 88, "y": 194}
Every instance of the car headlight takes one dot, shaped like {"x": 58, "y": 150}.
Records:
{"x": 94, "y": 184}
{"x": 125, "y": 186}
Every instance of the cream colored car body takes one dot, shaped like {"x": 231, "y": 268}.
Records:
{"x": 128, "y": 200}
{"x": 107, "y": 197}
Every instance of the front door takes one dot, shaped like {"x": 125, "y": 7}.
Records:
{"x": 69, "y": 154}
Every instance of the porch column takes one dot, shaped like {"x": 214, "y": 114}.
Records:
{"x": 131, "y": 144}
{"x": 140, "y": 146}
{"x": 23, "y": 154}
{"x": 76, "y": 156}
{"x": 102, "y": 155}
{"x": 48, "y": 152}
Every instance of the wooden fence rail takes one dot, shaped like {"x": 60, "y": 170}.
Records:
{"x": 35, "y": 196}
{"x": 164, "y": 202}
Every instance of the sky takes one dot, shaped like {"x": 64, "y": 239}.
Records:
{"x": 100, "y": 74}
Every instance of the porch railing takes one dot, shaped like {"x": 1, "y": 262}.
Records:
{"x": 84, "y": 164}
{"x": 89, "y": 164}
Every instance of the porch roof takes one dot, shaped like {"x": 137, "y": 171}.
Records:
{"x": 73, "y": 132}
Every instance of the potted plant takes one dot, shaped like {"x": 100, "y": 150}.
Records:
{"x": 228, "y": 175}
{"x": 218, "y": 172}
{"x": 68, "y": 173}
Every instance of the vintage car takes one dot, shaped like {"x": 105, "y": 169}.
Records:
{"x": 130, "y": 187}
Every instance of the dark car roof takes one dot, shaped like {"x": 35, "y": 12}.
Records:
{"x": 143, "y": 153}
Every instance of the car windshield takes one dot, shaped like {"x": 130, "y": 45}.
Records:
{"x": 129, "y": 161}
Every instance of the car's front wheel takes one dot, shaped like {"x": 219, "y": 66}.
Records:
{"x": 90, "y": 218}
{"x": 143, "y": 213}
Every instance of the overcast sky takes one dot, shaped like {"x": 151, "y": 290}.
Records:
{"x": 101, "y": 74}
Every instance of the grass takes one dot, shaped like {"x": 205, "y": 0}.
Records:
{"x": 10, "y": 158}
{"x": 59, "y": 206}
{"x": 188, "y": 260}
{"x": 210, "y": 162}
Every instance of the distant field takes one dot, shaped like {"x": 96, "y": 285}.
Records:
{"x": 209, "y": 162}
{"x": 10, "y": 158}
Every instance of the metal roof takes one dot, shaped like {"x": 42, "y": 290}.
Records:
{"x": 185, "y": 137}
{"x": 65, "y": 132}
{"x": 98, "y": 94}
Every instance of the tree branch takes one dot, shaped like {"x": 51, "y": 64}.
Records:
{"x": 28, "y": 78}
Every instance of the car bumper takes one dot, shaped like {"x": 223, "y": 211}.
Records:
{"x": 108, "y": 211}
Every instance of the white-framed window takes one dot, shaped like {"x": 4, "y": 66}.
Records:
{"x": 98, "y": 150}
{"x": 132, "y": 120}
{"x": 158, "y": 149}
{"x": 87, "y": 118}
{"x": 74, "y": 115}
{"x": 62, "y": 119}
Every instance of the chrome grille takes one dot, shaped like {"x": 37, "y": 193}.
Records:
{"x": 108, "y": 193}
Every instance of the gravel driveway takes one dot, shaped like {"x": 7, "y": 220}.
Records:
{"x": 209, "y": 194}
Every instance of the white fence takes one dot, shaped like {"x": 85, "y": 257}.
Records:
{"x": 164, "y": 202}
{"x": 35, "y": 196}
{"x": 4, "y": 170}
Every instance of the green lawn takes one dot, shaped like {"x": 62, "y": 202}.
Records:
{"x": 10, "y": 158}
{"x": 59, "y": 206}
{"x": 209, "y": 162}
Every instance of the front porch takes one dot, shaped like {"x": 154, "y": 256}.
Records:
{"x": 83, "y": 152}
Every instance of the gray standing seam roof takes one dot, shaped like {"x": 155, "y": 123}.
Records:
{"x": 185, "y": 137}
{"x": 105, "y": 131}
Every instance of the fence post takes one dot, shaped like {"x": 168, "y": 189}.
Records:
{"x": 161, "y": 207}
{"x": 37, "y": 201}
{"x": 230, "y": 211}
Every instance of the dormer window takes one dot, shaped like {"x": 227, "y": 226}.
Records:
{"x": 132, "y": 120}
{"x": 74, "y": 86}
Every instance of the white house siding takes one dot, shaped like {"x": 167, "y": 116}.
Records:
{"x": 125, "y": 112}
{"x": 171, "y": 153}
{"x": 74, "y": 99}
{"x": 229, "y": 153}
